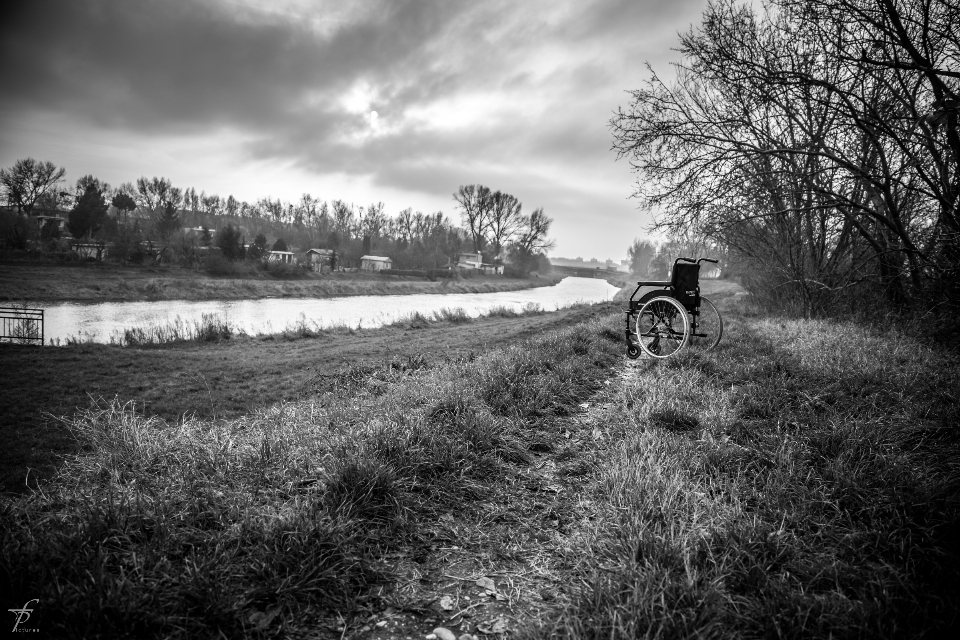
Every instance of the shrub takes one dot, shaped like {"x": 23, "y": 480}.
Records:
{"x": 284, "y": 271}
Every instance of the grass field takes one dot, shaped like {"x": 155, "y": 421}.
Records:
{"x": 103, "y": 283}
{"x": 799, "y": 481}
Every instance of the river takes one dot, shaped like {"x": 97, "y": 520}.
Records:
{"x": 98, "y": 322}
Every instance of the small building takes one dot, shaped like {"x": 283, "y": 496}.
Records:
{"x": 491, "y": 269}
{"x": 58, "y": 220}
{"x": 321, "y": 259}
{"x": 375, "y": 263}
{"x": 280, "y": 257}
{"x": 470, "y": 261}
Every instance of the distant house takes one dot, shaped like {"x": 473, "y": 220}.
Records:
{"x": 491, "y": 269}
{"x": 470, "y": 261}
{"x": 280, "y": 257}
{"x": 320, "y": 259}
{"x": 42, "y": 220}
{"x": 375, "y": 263}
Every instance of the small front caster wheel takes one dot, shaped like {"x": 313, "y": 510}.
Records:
{"x": 633, "y": 352}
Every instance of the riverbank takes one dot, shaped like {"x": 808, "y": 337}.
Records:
{"x": 798, "y": 481}
{"x": 110, "y": 283}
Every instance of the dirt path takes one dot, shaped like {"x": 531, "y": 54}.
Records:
{"x": 500, "y": 564}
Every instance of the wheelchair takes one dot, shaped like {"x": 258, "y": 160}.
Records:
{"x": 661, "y": 323}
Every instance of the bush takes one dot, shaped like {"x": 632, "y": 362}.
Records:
{"x": 216, "y": 264}
{"x": 283, "y": 270}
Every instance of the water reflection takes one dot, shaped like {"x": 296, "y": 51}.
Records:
{"x": 102, "y": 320}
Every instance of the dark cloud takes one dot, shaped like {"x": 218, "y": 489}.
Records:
{"x": 157, "y": 66}
{"x": 614, "y": 19}
{"x": 497, "y": 92}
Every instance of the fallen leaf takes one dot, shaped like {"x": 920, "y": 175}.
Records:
{"x": 487, "y": 584}
{"x": 446, "y": 603}
{"x": 443, "y": 633}
{"x": 262, "y": 619}
{"x": 497, "y": 626}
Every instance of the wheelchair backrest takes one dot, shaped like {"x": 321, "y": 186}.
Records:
{"x": 685, "y": 280}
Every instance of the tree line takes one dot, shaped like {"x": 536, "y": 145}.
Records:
{"x": 155, "y": 210}
{"x": 817, "y": 143}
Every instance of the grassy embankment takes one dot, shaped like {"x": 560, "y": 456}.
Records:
{"x": 102, "y": 283}
{"x": 799, "y": 481}
{"x": 209, "y": 371}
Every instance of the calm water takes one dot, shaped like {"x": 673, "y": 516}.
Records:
{"x": 102, "y": 320}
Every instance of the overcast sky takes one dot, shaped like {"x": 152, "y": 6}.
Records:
{"x": 277, "y": 98}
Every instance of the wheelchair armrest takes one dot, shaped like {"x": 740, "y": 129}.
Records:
{"x": 653, "y": 283}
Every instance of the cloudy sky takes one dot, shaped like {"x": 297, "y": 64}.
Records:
{"x": 277, "y": 98}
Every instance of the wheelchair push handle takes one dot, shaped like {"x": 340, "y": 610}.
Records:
{"x": 696, "y": 261}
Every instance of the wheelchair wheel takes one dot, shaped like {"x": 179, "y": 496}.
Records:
{"x": 663, "y": 327}
{"x": 633, "y": 352}
{"x": 709, "y": 326}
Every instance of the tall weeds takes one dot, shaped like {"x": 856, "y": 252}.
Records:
{"x": 211, "y": 327}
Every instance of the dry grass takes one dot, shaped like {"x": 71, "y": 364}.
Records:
{"x": 799, "y": 481}
{"x": 277, "y": 519}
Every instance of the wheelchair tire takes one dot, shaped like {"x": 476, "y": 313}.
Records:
{"x": 710, "y": 323}
{"x": 633, "y": 352}
{"x": 663, "y": 327}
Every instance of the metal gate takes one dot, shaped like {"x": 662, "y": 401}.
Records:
{"x": 21, "y": 325}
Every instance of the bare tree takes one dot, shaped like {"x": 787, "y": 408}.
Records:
{"x": 271, "y": 208}
{"x": 374, "y": 221}
{"x": 154, "y": 194}
{"x": 533, "y": 236}
{"x": 474, "y": 201}
{"x": 404, "y": 225}
{"x": 504, "y": 220}
{"x": 343, "y": 219}
{"x": 212, "y": 205}
{"x": 816, "y": 164}
{"x": 421, "y": 225}
{"x": 305, "y": 210}
{"x": 28, "y": 180}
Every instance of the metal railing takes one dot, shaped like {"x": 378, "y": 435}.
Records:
{"x": 21, "y": 325}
